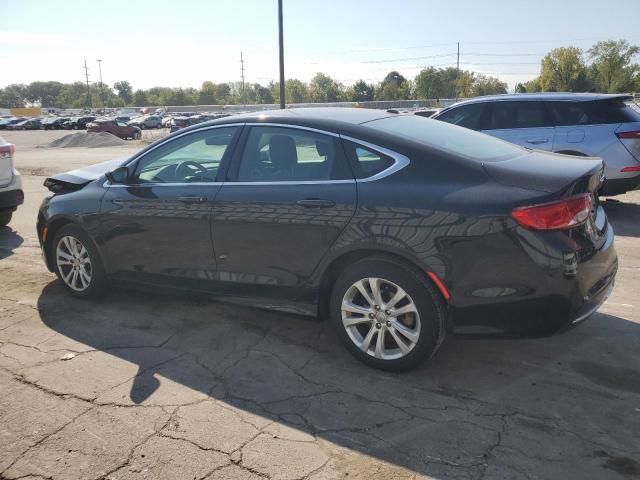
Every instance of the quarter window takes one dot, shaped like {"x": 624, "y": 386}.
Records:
{"x": 505, "y": 115}
{"x": 192, "y": 158}
{"x": 468, "y": 116}
{"x": 278, "y": 154}
{"x": 367, "y": 162}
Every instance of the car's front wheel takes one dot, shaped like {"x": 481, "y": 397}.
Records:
{"x": 77, "y": 262}
{"x": 388, "y": 315}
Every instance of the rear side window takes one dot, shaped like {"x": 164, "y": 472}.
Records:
{"x": 366, "y": 162}
{"x": 505, "y": 115}
{"x": 468, "y": 116}
{"x": 447, "y": 138}
{"x": 593, "y": 112}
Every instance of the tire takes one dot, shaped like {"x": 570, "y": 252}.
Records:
{"x": 64, "y": 242}
{"x": 5, "y": 218}
{"x": 425, "y": 325}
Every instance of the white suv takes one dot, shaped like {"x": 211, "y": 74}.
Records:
{"x": 585, "y": 124}
{"x": 11, "y": 194}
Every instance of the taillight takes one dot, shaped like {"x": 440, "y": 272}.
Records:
{"x": 7, "y": 149}
{"x": 633, "y": 168}
{"x": 558, "y": 215}
{"x": 634, "y": 134}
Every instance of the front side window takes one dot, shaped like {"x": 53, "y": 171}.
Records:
{"x": 468, "y": 116}
{"x": 506, "y": 115}
{"x": 279, "y": 154}
{"x": 192, "y": 158}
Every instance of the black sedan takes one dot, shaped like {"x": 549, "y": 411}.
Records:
{"x": 397, "y": 227}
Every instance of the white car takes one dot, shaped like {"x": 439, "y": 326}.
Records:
{"x": 11, "y": 194}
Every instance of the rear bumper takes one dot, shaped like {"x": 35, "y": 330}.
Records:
{"x": 618, "y": 186}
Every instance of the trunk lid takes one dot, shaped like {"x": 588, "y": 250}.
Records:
{"x": 550, "y": 173}
{"x": 6, "y": 163}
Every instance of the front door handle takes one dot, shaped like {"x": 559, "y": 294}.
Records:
{"x": 316, "y": 203}
{"x": 192, "y": 199}
{"x": 537, "y": 141}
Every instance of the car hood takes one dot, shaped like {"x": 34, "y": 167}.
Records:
{"x": 76, "y": 179}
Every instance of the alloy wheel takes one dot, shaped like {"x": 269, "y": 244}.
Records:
{"x": 380, "y": 318}
{"x": 74, "y": 263}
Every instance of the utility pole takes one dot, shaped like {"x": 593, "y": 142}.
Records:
{"x": 281, "y": 48}
{"x": 244, "y": 97}
{"x": 86, "y": 76}
{"x": 457, "y": 70}
{"x": 101, "y": 89}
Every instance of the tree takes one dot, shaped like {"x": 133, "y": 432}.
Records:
{"x": 533, "y": 85}
{"x": 323, "y": 88}
{"x": 125, "y": 91}
{"x": 362, "y": 91}
{"x": 207, "y": 95}
{"x": 521, "y": 88}
{"x": 563, "y": 70}
{"x": 438, "y": 82}
{"x": 44, "y": 93}
{"x": 393, "y": 87}
{"x": 612, "y": 70}
{"x": 262, "y": 94}
{"x": 13, "y": 96}
{"x": 465, "y": 84}
{"x": 222, "y": 93}
{"x": 486, "y": 85}
{"x": 140, "y": 99}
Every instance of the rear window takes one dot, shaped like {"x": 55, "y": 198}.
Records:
{"x": 447, "y": 138}
{"x": 593, "y": 112}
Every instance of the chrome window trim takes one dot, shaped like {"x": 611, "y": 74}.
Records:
{"x": 400, "y": 161}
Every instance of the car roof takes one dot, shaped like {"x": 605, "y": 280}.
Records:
{"x": 321, "y": 117}
{"x": 547, "y": 96}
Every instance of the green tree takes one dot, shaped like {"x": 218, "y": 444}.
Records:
{"x": 439, "y": 82}
{"x": 533, "y": 86}
{"x": 207, "y": 95}
{"x": 563, "y": 70}
{"x": 323, "y": 88}
{"x": 521, "y": 88}
{"x": 125, "y": 91}
{"x": 223, "y": 93}
{"x": 140, "y": 99}
{"x": 486, "y": 85}
{"x": 465, "y": 84}
{"x": 393, "y": 87}
{"x": 44, "y": 93}
{"x": 263, "y": 95}
{"x": 362, "y": 91}
{"x": 13, "y": 96}
{"x": 611, "y": 68}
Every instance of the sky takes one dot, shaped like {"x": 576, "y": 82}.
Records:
{"x": 182, "y": 43}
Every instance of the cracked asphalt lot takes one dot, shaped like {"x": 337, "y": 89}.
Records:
{"x": 141, "y": 386}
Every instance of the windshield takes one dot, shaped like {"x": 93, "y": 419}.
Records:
{"x": 447, "y": 138}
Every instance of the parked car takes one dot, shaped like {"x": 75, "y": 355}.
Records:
{"x": 28, "y": 124}
{"x": 78, "y": 123}
{"x": 8, "y": 122}
{"x": 147, "y": 121}
{"x": 55, "y": 123}
{"x": 11, "y": 194}
{"x": 427, "y": 112}
{"x": 116, "y": 128}
{"x": 397, "y": 227}
{"x": 178, "y": 123}
{"x": 580, "y": 124}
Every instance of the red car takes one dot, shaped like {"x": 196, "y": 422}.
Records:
{"x": 114, "y": 127}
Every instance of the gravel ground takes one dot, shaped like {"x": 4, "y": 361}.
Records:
{"x": 138, "y": 386}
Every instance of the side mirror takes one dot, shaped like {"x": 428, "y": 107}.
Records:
{"x": 119, "y": 175}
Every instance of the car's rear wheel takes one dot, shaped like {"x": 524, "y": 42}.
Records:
{"x": 5, "y": 218}
{"x": 77, "y": 263}
{"x": 388, "y": 315}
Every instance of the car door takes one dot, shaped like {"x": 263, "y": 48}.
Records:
{"x": 289, "y": 194}
{"x": 156, "y": 227}
{"x": 526, "y": 123}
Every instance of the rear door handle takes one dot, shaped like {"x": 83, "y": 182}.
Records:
{"x": 192, "y": 199}
{"x": 536, "y": 141}
{"x": 316, "y": 203}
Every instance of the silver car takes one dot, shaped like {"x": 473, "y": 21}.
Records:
{"x": 585, "y": 124}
